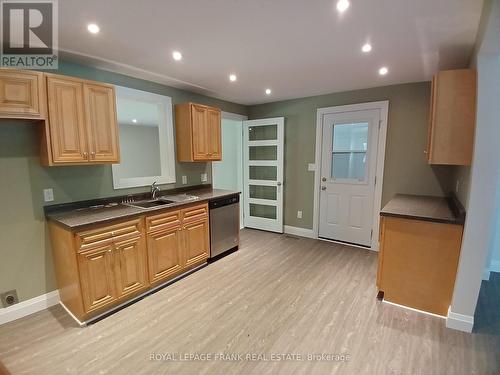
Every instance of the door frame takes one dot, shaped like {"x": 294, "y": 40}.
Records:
{"x": 236, "y": 117}
{"x": 280, "y": 123}
{"x": 383, "y": 106}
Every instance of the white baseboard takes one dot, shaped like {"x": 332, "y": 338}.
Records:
{"x": 460, "y": 322}
{"x": 494, "y": 266}
{"x": 486, "y": 274}
{"x": 28, "y": 307}
{"x": 301, "y": 232}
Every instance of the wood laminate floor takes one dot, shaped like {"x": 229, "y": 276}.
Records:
{"x": 277, "y": 295}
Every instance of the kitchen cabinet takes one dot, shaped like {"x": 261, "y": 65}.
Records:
{"x": 198, "y": 133}
{"x": 452, "y": 118}
{"x": 420, "y": 241}
{"x": 99, "y": 268}
{"x": 82, "y": 126}
{"x": 22, "y": 94}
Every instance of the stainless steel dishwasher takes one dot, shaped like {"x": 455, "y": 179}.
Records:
{"x": 224, "y": 225}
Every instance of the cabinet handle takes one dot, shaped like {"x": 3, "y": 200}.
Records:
{"x": 109, "y": 250}
{"x": 85, "y": 154}
{"x": 425, "y": 151}
{"x": 93, "y": 154}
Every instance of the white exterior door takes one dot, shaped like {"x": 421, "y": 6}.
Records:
{"x": 263, "y": 173}
{"x": 348, "y": 167}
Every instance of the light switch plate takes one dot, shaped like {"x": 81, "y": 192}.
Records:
{"x": 48, "y": 195}
{"x": 299, "y": 214}
{"x": 204, "y": 177}
{"x": 311, "y": 167}
{"x": 184, "y": 180}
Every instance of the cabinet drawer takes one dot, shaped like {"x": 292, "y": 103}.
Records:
{"x": 163, "y": 221}
{"x": 195, "y": 213}
{"x": 117, "y": 232}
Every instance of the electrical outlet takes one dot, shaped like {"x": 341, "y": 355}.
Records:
{"x": 299, "y": 214}
{"x": 457, "y": 185}
{"x": 9, "y": 298}
{"x": 184, "y": 180}
{"x": 48, "y": 195}
{"x": 204, "y": 177}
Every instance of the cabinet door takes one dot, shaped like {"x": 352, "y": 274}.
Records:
{"x": 164, "y": 254}
{"x": 196, "y": 242}
{"x": 214, "y": 134}
{"x": 22, "y": 94}
{"x": 130, "y": 266}
{"x": 101, "y": 123}
{"x": 97, "y": 277}
{"x": 200, "y": 139}
{"x": 68, "y": 136}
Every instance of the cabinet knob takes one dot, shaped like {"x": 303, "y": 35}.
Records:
{"x": 93, "y": 154}
{"x": 85, "y": 154}
{"x": 323, "y": 187}
{"x": 323, "y": 179}
{"x": 109, "y": 250}
{"x": 425, "y": 151}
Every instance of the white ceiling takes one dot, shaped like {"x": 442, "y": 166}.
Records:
{"x": 295, "y": 47}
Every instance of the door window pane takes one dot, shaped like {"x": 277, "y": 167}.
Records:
{"x": 264, "y": 211}
{"x": 263, "y": 152}
{"x": 263, "y": 133}
{"x": 263, "y": 192}
{"x": 350, "y": 143}
{"x": 263, "y": 172}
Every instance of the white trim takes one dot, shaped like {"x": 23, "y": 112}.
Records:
{"x": 166, "y": 139}
{"x": 345, "y": 243}
{"x": 460, "y": 322}
{"x": 233, "y": 116}
{"x": 413, "y": 309}
{"x": 81, "y": 324}
{"x": 28, "y": 307}
{"x": 383, "y": 106}
{"x": 486, "y": 274}
{"x": 297, "y": 231}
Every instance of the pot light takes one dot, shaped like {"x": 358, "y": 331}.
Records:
{"x": 367, "y": 47}
{"x": 342, "y": 5}
{"x": 177, "y": 55}
{"x": 93, "y": 28}
{"x": 268, "y": 91}
{"x": 383, "y": 71}
{"x": 134, "y": 120}
{"x": 232, "y": 77}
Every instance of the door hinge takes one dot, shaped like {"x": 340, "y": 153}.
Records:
{"x": 379, "y": 124}
{"x": 371, "y": 234}
{"x": 375, "y": 183}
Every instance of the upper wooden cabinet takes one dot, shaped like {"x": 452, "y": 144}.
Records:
{"x": 198, "y": 133}
{"x": 452, "y": 118}
{"x": 22, "y": 94}
{"x": 82, "y": 122}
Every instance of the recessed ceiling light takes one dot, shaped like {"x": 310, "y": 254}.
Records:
{"x": 134, "y": 120}
{"x": 93, "y": 28}
{"x": 342, "y": 5}
{"x": 383, "y": 71}
{"x": 268, "y": 91}
{"x": 367, "y": 47}
{"x": 232, "y": 77}
{"x": 177, "y": 55}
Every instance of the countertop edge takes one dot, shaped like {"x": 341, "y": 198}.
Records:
{"x": 50, "y": 216}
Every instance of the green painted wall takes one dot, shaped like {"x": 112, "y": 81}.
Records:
{"x": 26, "y": 263}
{"x": 406, "y": 170}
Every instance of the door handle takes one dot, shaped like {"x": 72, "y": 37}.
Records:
{"x": 278, "y": 183}
{"x": 323, "y": 187}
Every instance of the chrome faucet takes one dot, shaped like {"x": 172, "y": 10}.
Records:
{"x": 155, "y": 190}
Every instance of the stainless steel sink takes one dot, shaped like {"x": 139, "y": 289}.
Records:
{"x": 151, "y": 203}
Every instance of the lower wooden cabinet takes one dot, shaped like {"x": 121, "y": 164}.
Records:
{"x": 197, "y": 246}
{"x": 97, "y": 277}
{"x": 418, "y": 263}
{"x": 164, "y": 254}
{"x": 100, "y": 268}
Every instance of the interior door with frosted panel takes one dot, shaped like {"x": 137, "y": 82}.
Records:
{"x": 348, "y": 165}
{"x": 263, "y": 173}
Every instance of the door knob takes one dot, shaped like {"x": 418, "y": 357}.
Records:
{"x": 323, "y": 179}
{"x": 323, "y": 187}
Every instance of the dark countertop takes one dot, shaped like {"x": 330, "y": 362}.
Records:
{"x": 75, "y": 217}
{"x": 437, "y": 209}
